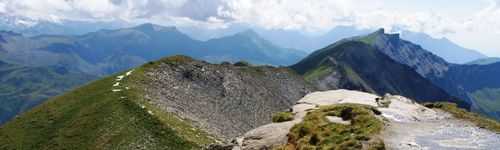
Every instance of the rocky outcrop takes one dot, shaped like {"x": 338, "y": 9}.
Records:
{"x": 405, "y": 52}
{"x": 226, "y": 100}
{"x": 409, "y": 125}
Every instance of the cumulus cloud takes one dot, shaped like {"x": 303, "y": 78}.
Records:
{"x": 488, "y": 19}
{"x": 162, "y": 11}
{"x": 322, "y": 15}
{"x": 306, "y": 15}
{"x": 289, "y": 14}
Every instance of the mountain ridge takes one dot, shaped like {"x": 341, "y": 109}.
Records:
{"x": 141, "y": 108}
{"x": 456, "y": 79}
{"x": 358, "y": 66}
{"x": 107, "y": 51}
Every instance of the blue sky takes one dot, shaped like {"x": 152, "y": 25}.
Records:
{"x": 470, "y": 23}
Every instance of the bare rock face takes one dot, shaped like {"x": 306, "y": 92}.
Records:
{"x": 405, "y": 52}
{"x": 225, "y": 100}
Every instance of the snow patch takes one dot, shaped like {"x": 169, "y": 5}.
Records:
{"x": 129, "y": 72}
{"x": 120, "y": 77}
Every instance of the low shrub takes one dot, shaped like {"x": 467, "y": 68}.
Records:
{"x": 282, "y": 117}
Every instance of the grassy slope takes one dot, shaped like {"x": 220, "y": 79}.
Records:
{"x": 25, "y": 87}
{"x": 459, "y": 113}
{"x": 317, "y": 73}
{"x": 93, "y": 117}
{"x": 487, "y": 98}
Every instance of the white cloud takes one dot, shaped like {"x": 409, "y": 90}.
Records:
{"x": 196, "y": 11}
{"x": 289, "y": 14}
{"x": 487, "y": 19}
{"x": 2, "y": 7}
{"x": 306, "y": 15}
{"x": 309, "y": 15}
{"x": 321, "y": 15}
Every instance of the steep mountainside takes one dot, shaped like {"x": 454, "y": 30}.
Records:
{"x": 475, "y": 84}
{"x": 407, "y": 53}
{"x": 481, "y": 83}
{"x": 109, "y": 51}
{"x": 359, "y": 66}
{"x": 25, "y": 87}
{"x": 174, "y": 103}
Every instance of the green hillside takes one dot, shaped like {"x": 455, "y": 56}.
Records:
{"x": 96, "y": 117}
{"x": 24, "y": 87}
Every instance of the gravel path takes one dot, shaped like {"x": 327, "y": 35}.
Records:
{"x": 442, "y": 134}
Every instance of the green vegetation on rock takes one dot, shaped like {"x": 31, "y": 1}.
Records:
{"x": 241, "y": 63}
{"x": 317, "y": 73}
{"x": 317, "y": 132}
{"x": 369, "y": 39}
{"x": 487, "y": 99}
{"x": 460, "y": 113}
{"x": 282, "y": 116}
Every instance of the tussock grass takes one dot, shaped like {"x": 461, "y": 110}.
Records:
{"x": 316, "y": 132}
{"x": 282, "y": 116}
{"x": 460, "y": 113}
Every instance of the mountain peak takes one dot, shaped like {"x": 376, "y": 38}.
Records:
{"x": 380, "y": 31}
{"x": 154, "y": 27}
{"x": 9, "y": 33}
{"x": 249, "y": 33}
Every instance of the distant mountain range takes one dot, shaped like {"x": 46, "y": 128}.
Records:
{"x": 24, "y": 87}
{"x": 109, "y": 51}
{"x": 32, "y": 27}
{"x": 485, "y": 61}
{"x": 443, "y": 47}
